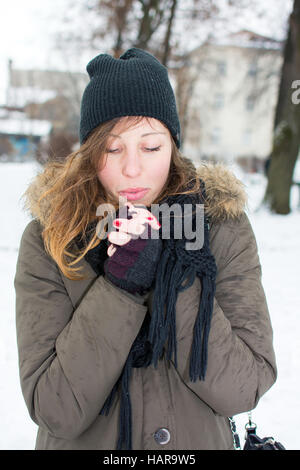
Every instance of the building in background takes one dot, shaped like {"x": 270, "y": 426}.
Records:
{"x": 21, "y": 137}
{"x": 231, "y": 95}
{"x": 48, "y": 103}
{"x": 47, "y": 94}
{"x": 226, "y": 90}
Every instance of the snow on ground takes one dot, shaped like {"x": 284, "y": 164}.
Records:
{"x": 278, "y": 412}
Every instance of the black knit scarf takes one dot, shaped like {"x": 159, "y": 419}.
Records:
{"x": 176, "y": 266}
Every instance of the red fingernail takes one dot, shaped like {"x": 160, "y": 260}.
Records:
{"x": 149, "y": 218}
{"x": 117, "y": 223}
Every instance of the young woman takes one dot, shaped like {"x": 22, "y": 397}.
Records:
{"x": 128, "y": 337}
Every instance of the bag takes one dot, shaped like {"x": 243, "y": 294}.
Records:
{"x": 252, "y": 441}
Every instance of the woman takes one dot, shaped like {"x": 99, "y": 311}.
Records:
{"x": 137, "y": 340}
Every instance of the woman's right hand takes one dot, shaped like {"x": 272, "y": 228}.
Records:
{"x": 133, "y": 259}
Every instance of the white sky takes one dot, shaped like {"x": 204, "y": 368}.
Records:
{"x": 25, "y": 31}
{"x": 25, "y": 35}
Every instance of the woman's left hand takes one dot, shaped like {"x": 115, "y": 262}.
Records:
{"x": 133, "y": 258}
{"x": 129, "y": 227}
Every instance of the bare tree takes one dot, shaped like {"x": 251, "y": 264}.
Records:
{"x": 286, "y": 139}
{"x": 167, "y": 40}
{"x": 115, "y": 25}
{"x": 118, "y": 19}
{"x": 163, "y": 27}
{"x": 153, "y": 14}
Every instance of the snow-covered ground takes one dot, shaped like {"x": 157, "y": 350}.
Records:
{"x": 278, "y": 239}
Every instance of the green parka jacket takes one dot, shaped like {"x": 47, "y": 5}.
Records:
{"x": 74, "y": 338}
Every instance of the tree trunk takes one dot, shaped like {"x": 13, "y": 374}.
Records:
{"x": 120, "y": 14}
{"x": 153, "y": 13}
{"x": 286, "y": 138}
{"x": 166, "y": 45}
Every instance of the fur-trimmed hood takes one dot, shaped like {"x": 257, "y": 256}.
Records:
{"x": 226, "y": 196}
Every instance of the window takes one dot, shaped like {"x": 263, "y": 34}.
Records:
{"x": 218, "y": 101}
{"x": 221, "y": 67}
{"x": 215, "y": 135}
{"x": 250, "y": 103}
{"x": 252, "y": 71}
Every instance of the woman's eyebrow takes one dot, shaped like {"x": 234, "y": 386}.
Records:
{"x": 143, "y": 135}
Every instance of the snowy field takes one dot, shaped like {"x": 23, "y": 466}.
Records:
{"x": 278, "y": 239}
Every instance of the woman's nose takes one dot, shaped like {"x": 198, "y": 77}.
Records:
{"x": 131, "y": 165}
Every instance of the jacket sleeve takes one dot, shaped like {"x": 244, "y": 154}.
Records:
{"x": 241, "y": 361}
{"x": 69, "y": 360}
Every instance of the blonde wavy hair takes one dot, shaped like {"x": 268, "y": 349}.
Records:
{"x": 76, "y": 193}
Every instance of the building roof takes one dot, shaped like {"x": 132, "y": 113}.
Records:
{"x": 38, "y": 86}
{"x": 244, "y": 39}
{"x": 21, "y": 96}
{"x": 17, "y": 123}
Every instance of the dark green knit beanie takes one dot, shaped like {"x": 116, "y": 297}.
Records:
{"x": 136, "y": 84}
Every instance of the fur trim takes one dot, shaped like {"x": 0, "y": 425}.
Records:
{"x": 226, "y": 197}
{"x": 40, "y": 183}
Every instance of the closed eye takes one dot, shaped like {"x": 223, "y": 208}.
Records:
{"x": 154, "y": 149}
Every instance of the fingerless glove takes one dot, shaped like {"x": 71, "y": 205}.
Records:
{"x": 133, "y": 266}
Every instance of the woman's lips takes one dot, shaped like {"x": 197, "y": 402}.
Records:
{"x": 134, "y": 195}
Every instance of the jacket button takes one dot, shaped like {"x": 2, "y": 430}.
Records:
{"x": 162, "y": 436}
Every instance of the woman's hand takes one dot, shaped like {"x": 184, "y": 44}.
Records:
{"x": 129, "y": 227}
{"x": 133, "y": 259}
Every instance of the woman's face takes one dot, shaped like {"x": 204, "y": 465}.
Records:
{"x": 137, "y": 161}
